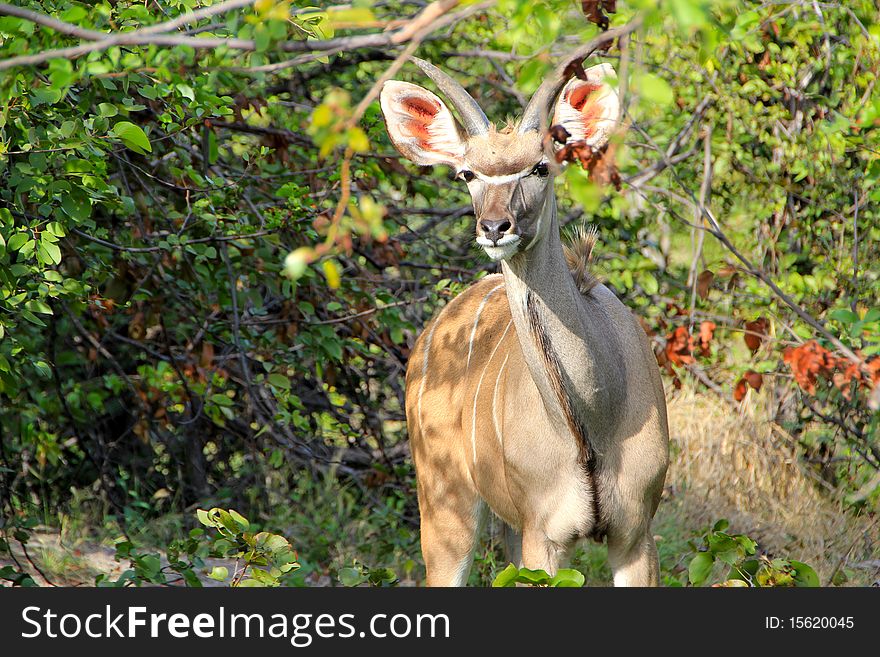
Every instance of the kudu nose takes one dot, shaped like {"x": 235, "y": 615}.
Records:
{"x": 494, "y": 229}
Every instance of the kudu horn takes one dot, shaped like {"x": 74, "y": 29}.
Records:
{"x": 473, "y": 119}
{"x": 535, "y": 114}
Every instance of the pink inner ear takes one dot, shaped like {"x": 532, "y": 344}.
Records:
{"x": 590, "y": 111}
{"x": 421, "y": 111}
{"x": 578, "y": 96}
{"x": 422, "y": 108}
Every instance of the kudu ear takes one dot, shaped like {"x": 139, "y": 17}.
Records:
{"x": 589, "y": 109}
{"x": 420, "y": 125}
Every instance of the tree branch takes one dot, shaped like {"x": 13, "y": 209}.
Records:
{"x": 158, "y": 34}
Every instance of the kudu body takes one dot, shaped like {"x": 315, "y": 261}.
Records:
{"x": 535, "y": 392}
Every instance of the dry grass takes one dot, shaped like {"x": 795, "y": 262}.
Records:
{"x": 728, "y": 463}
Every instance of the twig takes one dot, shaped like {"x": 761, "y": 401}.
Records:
{"x": 364, "y": 313}
{"x": 152, "y": 249}
{"x": 51, "y": 23}
{"x": 158, "y": 35}
{"x": 700, "y": 235}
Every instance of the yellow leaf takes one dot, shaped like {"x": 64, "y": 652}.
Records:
{"x": 350, "y": 16}
{"x": 322, "y": 116}
{"x": 331, "y": 271}
{"x": 357, "y": 140}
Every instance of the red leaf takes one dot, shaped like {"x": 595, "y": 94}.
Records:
{"x": 559, "y": 134}
{"x": 749, "y": 379}
{"x": 600, "y": 164}
{"x": 593, "y": 10}
{"x": 707, "y": 331}
{"x": 756, "y": 333}
{"x": 680, "y": 347}
{"x": 754, "y": 379}
{"x": 807, "y": 362}
{"x": 575, "y": 69}
{"x": 704, "y": 282}
{"x": 874, "y": 370}
{"x": 739, "y": 392}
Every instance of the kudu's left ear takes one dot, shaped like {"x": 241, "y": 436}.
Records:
{"x": 420, "y": 125}
{"x": 589, "y": 109}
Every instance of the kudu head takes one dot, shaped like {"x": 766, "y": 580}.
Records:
{"x": 509, "y": 173}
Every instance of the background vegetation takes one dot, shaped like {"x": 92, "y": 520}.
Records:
{"x": 213, "y": 265}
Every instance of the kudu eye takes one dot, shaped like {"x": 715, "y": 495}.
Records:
{"x": 466, "y": 175}
{"x": 541, "y": 169}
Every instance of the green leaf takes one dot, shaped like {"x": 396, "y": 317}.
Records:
{"x": 17, "y": 241}
{"x": 529, "y": 576}
{"x": 107, "y": 110}
{"x": 149, "y": 564}
{"x": 700, "y": 568}
{"x": 205, "y": 518}
{"x": 350, "y": 576}
{"x": 334, "y": 348}
{"x": 186, "y": 91}
{"x": 132, "y": 136}
{"x": 506, "y": 577}
{"x": 279, "y": 381}
{"x": 243, "y": 522}
{"x": 804, "y": 574}
{"x": 191, "y": 579}
{"x": 37, "y": 306}
{"x": 76, "y": 204}
{"x": 229, "y": 522}
{"x": 688, "y": 13}
{"x": 568, "y": 578}
{"x": 649, "y": 283}
{"x": 50, "y": 252}
{"x": 653, "y": 89}
{"x": 844, "y": 316}
{"x": 219, "y": 573}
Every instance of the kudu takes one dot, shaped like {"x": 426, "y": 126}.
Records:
{"x": 534, "y": 392}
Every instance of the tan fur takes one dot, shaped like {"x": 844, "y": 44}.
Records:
{"x": 480, "y": 435}
{"x": 501, "y": 153}
{"x": 534, "y": 393}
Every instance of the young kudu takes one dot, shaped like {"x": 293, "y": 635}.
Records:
{"x": 534, "y": 392}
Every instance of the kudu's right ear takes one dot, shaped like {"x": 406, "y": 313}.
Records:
{"x": 588, "y": 109}
{"x": 420, "y": 125}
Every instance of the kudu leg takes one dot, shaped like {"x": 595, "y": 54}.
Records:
{"x": 539, "y": 552}
{"x": 449, "y": 530}
{"x": 633, "y": 562}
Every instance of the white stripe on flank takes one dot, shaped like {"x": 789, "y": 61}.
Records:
{"x": 477, "y": 394}
{"x": 428, "y": 340}
{"x": 477, "y": 320}
{"x": 494, "y": 403}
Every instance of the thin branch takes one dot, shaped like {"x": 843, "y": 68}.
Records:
{"x": 364, "y": 313}
{"x": 698, "y": 236}
{"x": 51, "y": 23}
{"x": 153, "y": 249}
{"x": 157, "y": 35}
